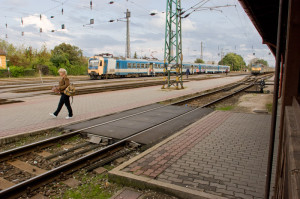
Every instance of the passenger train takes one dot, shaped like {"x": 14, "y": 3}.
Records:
{"x": 258, "y": 69}
{"x": 108, "y": 67}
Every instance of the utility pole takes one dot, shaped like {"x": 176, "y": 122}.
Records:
{"x": 201, "y": 50}
{"x": 128, "y": 14}
{"x": 173, "y": 42}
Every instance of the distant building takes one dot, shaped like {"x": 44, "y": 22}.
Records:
{"x": 2, "y": 59}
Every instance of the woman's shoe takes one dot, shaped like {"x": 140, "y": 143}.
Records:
{"x": 52, "y": 115}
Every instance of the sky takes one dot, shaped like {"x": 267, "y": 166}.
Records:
{"x": 224, "y": 29}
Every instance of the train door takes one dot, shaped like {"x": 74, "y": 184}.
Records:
{"x": 150, "y": 71}
{"x": 111, "y": 66}
{"x": 105, "y": 67}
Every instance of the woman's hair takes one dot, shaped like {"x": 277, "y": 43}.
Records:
{"x": 62, "y": 70}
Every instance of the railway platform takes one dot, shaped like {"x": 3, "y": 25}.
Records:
{"x": 222, "y": 155}
{"x": 32, "y": 115}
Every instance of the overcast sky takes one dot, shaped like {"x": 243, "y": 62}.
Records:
{"x": 225, "y": 29}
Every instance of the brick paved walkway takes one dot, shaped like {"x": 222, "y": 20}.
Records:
{"x": 224, "y": 154}
{"x": 33, "y": 114}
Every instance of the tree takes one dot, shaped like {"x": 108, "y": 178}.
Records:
{"x": 257, "y": 61}
{"x": 200, "y": 61}
{"x": 262, "y": 61}
{"x": 66, "y": 54}
{"x": 236, "y": 62}
{"x": 135, "y": 56}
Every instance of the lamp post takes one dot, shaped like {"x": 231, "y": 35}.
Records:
{"x": 8, "y": 68}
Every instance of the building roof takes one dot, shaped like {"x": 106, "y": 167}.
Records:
{"x": 264, "y": 16}
{"x": 2, "y": 52}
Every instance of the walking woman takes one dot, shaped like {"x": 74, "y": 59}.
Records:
{"x": 64, "y": 99}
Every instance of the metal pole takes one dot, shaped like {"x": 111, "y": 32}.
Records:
{"x": 201, "y": 50}
{"x": 275, "y": 103}
{"x": 127, "y": 35}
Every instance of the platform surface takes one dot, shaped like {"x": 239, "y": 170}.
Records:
{"x": 223, "y": 155}
{"x": 33, "y": 114}
{"x": 144, "y": 118}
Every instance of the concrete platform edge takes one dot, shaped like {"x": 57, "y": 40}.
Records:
{"x": 128, "y": 179}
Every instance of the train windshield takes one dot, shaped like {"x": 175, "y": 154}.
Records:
{"x": 256, "y": 66}
{"x": 93, "y": 64}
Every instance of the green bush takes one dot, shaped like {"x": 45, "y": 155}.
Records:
{"x": 53, "y": 70}
{"x": 16, "y": 71}
{"x": 3, "y": 73}
{"x": 77, "y": 70}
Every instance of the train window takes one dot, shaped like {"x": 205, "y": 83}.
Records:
{"x": 100, "y": 63}
{"x": 129, "y": 65}
{"x": 138, "y": 65}
{"x": 142, "y": 65}
{"x": 162, "y": 65}
{"x": 147, "y": 65}
{"x": 118, "y": 64}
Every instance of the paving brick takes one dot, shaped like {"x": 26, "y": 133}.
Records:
{"x": 224, "y": 191}
{"x": 235, "y": 189}
{"x": 255, "y": 194}
{"x": 171, "y": 174}
{"x": 244, "y": 196}
{"x": 218, "y": 185}
{"x": 201, "y": 181}
{"x": 175, "y": 179}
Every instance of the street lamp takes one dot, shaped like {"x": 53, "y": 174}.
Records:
{"x": 8, "y": 68}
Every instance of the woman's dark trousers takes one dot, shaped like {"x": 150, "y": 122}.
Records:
{"x": 64, "y": 99}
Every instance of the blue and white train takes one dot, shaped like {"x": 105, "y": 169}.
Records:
{"x": 107, "y": 67}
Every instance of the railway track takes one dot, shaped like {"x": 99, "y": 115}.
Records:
{"x": 56, "y": 163}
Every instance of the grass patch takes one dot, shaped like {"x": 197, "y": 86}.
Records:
{"x": 225, "y": 108}
{"x": 74, "y": 138}
{"x": 269, "y": 107}
{"x": 93, "y": 187}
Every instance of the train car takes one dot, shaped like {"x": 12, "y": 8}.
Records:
{"x": 108, "y": 67}
{"x": 257, "y": 69}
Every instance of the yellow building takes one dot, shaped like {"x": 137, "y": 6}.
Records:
{"x": 2, "y": 59}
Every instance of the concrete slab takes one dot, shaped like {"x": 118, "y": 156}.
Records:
{"x": 4, "y": 184}
{"x": 71, "y": 182}
{"x": 100, "y": 170}
{"x": 223, "y": 155}
{"x": 111, "y": 117}
{"x": 27, "y": 167}
{"x": 127, "y": 193}
{"x": 123, "y": 128}
{"x": 112, "y": 131}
